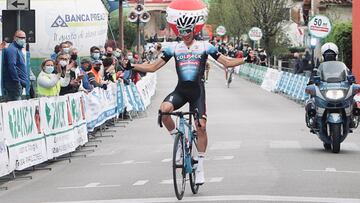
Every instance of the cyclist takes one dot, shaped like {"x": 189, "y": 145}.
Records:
{"x": 190, "y": 59}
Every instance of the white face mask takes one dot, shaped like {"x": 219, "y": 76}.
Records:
{"x": 63, "y": 63}
{"x": 49, "y": 69}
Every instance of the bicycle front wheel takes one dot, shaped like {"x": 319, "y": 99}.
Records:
{"x": 192, "y": 176}
{"x": 179, "y": 174}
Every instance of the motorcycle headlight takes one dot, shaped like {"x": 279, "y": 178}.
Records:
{"x": 335, "y": 94}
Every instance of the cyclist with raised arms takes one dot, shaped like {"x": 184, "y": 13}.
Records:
{"x": 190, "y": 60}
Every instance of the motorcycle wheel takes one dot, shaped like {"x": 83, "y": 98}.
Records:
{"x": 335, "y": 134}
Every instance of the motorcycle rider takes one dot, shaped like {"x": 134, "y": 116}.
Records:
{"x": 329, "y": 52}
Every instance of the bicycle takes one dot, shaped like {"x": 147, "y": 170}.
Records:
{"x": 186, "y": 141}
{"x": 229, "y": 79}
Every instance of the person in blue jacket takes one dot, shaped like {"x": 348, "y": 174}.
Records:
{"x": 16, "y": 76}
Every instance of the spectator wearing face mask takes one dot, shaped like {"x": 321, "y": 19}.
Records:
{"x": 85, "y": 67}
{"x": 48, "y": 82}
{"x": 102, "y": 52}
{"x": 94, "y": 53}
{"x": 95, "y": 77}
{"x": 66, "y": 67}
{"x": 109, "y": 52}
{"x": 15, "y": 74}
{"x": 65, "y": 48}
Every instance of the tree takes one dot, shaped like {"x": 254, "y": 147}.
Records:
{"x": 129, "y": 31}
{"x": 232, "y": 14}
{"x": 268, "y": 16}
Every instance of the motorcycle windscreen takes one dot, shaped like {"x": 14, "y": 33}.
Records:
{"x": 332, "y": 71}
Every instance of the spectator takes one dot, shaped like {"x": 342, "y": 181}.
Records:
{"x": 222, "y": 49}
{"x": 94, "y": 53}
{"x": 16, "y": 76}
{"x": 262, "y": 57}
{"x": 102, "y": 52}
{"x": 251, "y": 58}
{"x": 84, "y": 68}
{"x": 299, "y": 68}
{"x": 55, "y": 53}
{"x": 32, "y": 78}
{"x": 2, "y": 45}
{"x": 109, "y": 51}
{"x": 66, "y": 67}
{"x": 65, "y": 47}
{"x": 95, "y": 78}
{"x": 109, "y": 70}
{"x": 49, "y": 83}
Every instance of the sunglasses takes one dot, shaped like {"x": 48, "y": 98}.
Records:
{"x": 184, "y": 32}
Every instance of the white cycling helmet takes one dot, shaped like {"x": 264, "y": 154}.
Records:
{"x": 329, "y": 47}
{"x": 186, "y": 16}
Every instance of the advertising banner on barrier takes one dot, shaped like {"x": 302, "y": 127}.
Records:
{"x": 131, "y": 98}
{"x": 4, "y": 159}
{"x": 23, "y": 135}
{"x": 120, "y": 98}
{"x": 77, "y": 113}
{"x": 57, "y": 125}
{"x": 100, "y": 106}
{"x": 271, "y": 78}
{"x": 137, "y": 97}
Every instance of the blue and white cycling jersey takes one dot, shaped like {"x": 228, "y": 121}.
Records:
{"x": 190, "y": 62}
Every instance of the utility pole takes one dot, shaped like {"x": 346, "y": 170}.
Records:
{"x": 121, "y": 25}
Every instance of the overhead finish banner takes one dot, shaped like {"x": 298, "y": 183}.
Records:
{"x": 23, "y": 134}
{"x": 83, "y": 22}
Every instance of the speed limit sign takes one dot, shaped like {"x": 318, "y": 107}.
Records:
{"x": 319, "y": 26}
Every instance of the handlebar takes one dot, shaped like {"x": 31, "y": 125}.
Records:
{"x": 180, "y": 114}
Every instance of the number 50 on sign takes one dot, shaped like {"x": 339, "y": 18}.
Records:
{"x": 320, "y": 26}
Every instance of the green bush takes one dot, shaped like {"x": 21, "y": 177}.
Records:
{"x": 342, "y": 37}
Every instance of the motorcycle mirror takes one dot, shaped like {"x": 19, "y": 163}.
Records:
{"x": 351, "y": 79}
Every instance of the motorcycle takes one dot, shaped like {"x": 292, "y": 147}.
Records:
{"x": 331, "y": 112}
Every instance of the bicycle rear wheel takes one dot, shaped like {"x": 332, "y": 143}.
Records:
{"x": 192, "y": 176}
{"x": 179, "y": 174}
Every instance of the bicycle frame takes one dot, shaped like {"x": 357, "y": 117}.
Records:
{"x": 187, "y": 138}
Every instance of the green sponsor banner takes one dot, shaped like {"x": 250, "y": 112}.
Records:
{"x": 57, "y": 126}
{"x": 23, "y": 133}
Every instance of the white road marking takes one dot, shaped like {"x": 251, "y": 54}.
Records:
{"x": 223, "y": 158}
{"x": 215, "y": 180}
{"x": 332, "y": 170}
{"x": 169, "y": 181}
{"x": 257, "y": 198}
{"x": 166, "y": 160}
{"x": 140, "y": 182}
{"x": 225, "y": 145}
{"x": 90, "y": 185}
{"x": 285, "y": 144}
